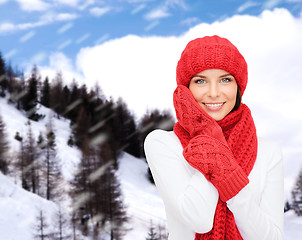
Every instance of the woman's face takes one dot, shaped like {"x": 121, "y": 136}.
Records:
{"x": 215, "y": 90}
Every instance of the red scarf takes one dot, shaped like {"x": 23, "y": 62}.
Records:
{"x": 240, "y": 134}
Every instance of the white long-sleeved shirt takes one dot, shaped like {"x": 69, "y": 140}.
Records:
{"x": 190, "y": 199}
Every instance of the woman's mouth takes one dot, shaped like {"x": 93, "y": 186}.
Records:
{"x": 214, "y": 106}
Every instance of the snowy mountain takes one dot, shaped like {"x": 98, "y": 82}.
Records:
{"x": 19, "y": 208}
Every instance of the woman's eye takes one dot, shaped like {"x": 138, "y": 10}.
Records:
{"x": 200, "y": 81}
{"x": 226, "y": 80}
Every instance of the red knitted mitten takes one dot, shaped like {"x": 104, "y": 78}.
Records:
{"x": 215, "y": 160}
{"x": 207, "y": 151}
{"x": 192, "y": 117}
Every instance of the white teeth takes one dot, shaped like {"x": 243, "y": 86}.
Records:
{"x": 213, "y": 105}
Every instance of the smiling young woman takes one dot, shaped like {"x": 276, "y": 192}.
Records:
{"x": 215, "y": 90}
{"x": 217, "y": 178}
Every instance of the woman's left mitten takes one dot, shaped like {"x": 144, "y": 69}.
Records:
{"x": 216, "y": 161}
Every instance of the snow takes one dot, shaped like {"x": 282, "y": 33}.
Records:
{"x": 292, "y": 226}
{"x": 19, "y": 208}
{"x": 141, "y": 198}
{"x": 16, "y": 121}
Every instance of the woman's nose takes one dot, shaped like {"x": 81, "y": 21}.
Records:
{"x": 213, "y": 90}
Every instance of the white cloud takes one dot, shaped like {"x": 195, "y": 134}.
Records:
{"x": 163, "y": 10}
{"x": 64, "y": 16}
{"x": 43, "y": 5}
{"x": 38, "y": 58}
{"x": 85, "y": 4}
{"x": 11, "y": 53}
{"x": 272, "y": 45}
{"x": 97, "y": 12}
{"x": 176, "y": 3}
{"x": 27, "y": 36}
{"x": 72, "y": 3}
{"x": 190, "y": 21}
{"x": 6, "y": 27}
{"x": 45, "y": 19}
{"x": 246, "y": 6}
{"x": 269, "y": 4}
{"x": 65, "y": 44}
{"x": 58, "y": 62}
{"x": 151, "y": 25}
{"x": 102, "y": 39}
{"x": 3, "y": 1}
{"x": 138, "y": 8}
{"x": 65, "y": 28}
{"x": 33, "y": 5}
{"x": 157, "y": 13}
{"x": 82, "y": 38}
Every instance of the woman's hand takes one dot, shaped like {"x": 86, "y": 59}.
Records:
{"x": 192, "y": 117}
{"x": 216, "y": 161}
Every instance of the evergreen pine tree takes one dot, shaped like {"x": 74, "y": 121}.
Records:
{"x": 287, "y": 206}
{"x": 61, "y": 226}
{"x": 162, "y": 232}
{"x": 30, "y": 99}
{"x": 297, "y": 195}
{"x": 11, "y": 78}
{"x": 3, "y": 148}
{"x": 82, "y": 194}
{"x": 154, "y": 120}
{"x": 3, "y": 78}
{"x": 96, "y": 184}
{"x": 151, "y": 121}
{"x": 31, "y": 164}
{"x": 57, "y": 98}
{"x": 45, "y": 93}
{"x": 16, "y": 87}
{"x": 115, "y": 211}
{"x": 152, "y": 235}
{"x": 48, "y": 165}
{"x": 66, "y": 99}
{"x": 74, "y": 220}
{"x": 52, "y": 170}
{"x": 81, "y": 128}
{"x": 21, "y": 163}
{"x": 74, "y": 102}
{"x": 41, "y": 227}
{"x": 124, "y": 129}
{"x": 2, "y": 65}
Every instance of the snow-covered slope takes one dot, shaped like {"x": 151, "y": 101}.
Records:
{"x": 18, "y": 208}
{"x": 16, "y": 121}
{"x": 141, "y": 198}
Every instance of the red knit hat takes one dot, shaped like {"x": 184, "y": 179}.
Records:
{"x": 211, "y": 52}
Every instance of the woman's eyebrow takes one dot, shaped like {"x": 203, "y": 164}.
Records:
{"x": 198, "y": 75}
{"x": 228, "y": 74}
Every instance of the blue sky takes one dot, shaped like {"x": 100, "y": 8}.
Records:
{"x": 31, "y": 30}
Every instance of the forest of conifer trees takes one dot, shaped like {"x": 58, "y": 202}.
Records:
{"x": 101, "y": 129}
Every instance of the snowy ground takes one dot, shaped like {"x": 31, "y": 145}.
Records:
{"x": 141, "y": 197}
{"x": 18, "y": 208}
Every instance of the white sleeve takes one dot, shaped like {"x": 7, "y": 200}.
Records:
{"x": 262, "y": 220}
{"x": 183, "y": 189}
